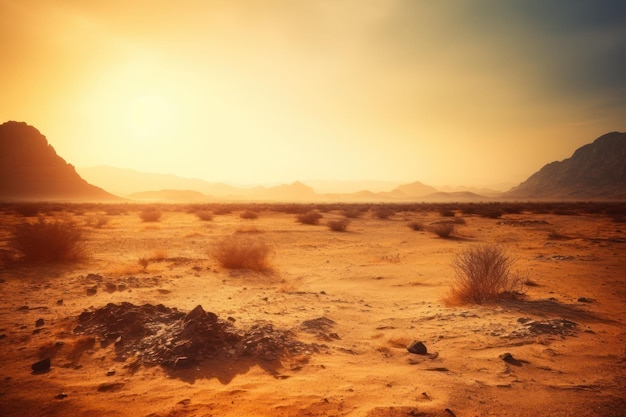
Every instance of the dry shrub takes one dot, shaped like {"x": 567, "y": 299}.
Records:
{"x": 242, "y": 251}
{"x": 338, "y": 225}
{"x": 150, "y": 215}
{"x": 310, "y": 217}
{"x": 417, "y": 226}
{"x": 352, "y": 213}
{"x": 204, "y": 215}
{"x": 443, "y": 229}
{"x": 49, "y": 241}
{"x": 384, "y": 212}
{"x": 98, "y": 221}
{"x": 484, "y": 274}
{"x": 249, "y": 215}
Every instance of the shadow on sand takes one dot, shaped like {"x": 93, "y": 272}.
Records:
{"x": 554, "y": 308}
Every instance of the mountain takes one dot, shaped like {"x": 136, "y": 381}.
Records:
{"x": 128, "y": 181}
{"x": 30, "y": 169}
{"x": 595, "y": 171}
{"x": 414, "y": 189}
{"x": 178, "y": 196}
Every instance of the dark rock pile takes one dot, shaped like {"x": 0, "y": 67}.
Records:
{"x": 555, "y": 327}
{"x": 159, "y": 335}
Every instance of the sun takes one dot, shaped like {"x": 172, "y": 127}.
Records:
{"x": 150, "y": 117}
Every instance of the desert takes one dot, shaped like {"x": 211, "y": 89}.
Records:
{"x": 321, "y": 327}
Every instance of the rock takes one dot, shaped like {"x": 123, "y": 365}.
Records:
{"x": 92, "y": 290}
{"x": 417, "y": 348}
{"x": 508, "y": 358}
{"x": 41, "y": 366}
{"x": 39, "y": 323}
{"x": 111, "y": 372}
{"x": 184, "y": 362}
{"x": 59, "y": 302}
{"x": 61, "y": 396}
{"x": 110, "y": 386}
{"x": 585, "y": 300}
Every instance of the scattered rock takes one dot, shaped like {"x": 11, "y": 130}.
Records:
{"x": 508, "y": 358}
{"x": 110, "y": 287}
{"x": 2, "y": 336}
{"x": 111, "y": 372}
{"x": 60, "y": 396}
{"x": 317, "y": 325}
{"x": 41, "y": 366}
{"x": 585, "y": 300}
{"x": 59, "y": 302}
{"x": 417, "y": 348}
{"x": 184, "y": 362}
{"x": 110, "y": 386}
{"x": 39, "y": 323}
{"x": 92, "y": 290}
{"x": 171, "y": 338}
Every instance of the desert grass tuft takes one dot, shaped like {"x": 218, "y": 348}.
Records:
{"x": 242, "y": 251}
{"x": 417, "y": 226}
{"x": 339, "y": 225}
{"x": 150, "y": 215}
{"x": 444, "y": 230}
{"x": 249, "y": 215}
{"x": 484, "y": 274}
{"x": 48, "y": 241}
{"x": 310, "y": 217}
{"x": 204, "y": 215}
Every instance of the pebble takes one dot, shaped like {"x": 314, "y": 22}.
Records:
{"x": 417, "y": 347}
{"x": 41, "y": 366}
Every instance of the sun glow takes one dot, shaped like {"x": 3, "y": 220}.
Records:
{"x": 150, "y": 117}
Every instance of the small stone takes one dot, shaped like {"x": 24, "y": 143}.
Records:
{"x": 41, "y": 366}
{"x": 111, "y": 372}
{"x": 39, "y": 323}
{"x": 585, "y": 300}
{"x": 184, "y": 362}
{"x": 417, "y": 348}
{"x": 61, "y": 396}
{"x": 92, "y": 290}
{"x": 508, "y": 358}
{"x": 59, "y": 302}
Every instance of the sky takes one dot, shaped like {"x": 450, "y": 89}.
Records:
{"x": 457, "y": 92}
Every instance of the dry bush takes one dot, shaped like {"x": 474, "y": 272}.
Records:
{"x": 352, "y": 213}
{"x": 417, "y": 226}
{"x": 384, "y": 212}
{"x": 310, "y": 217}
{"x": 48, "y": 241}
{"x": 204, "y": 215}
{"x": 443, "y": 229}
{"x": 338, "y": 225}
{"x": 240, "y": 251}
{"x": 150, "y": 215}
{"x": 249, "y": 229}
{"x": 98, "y": 221}
{"x": 446, "y": 213}
{"x": 249, "y": 215}
{"x": 484, "y": 274}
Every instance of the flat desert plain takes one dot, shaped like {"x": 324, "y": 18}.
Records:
{"x": 324, "y": 330}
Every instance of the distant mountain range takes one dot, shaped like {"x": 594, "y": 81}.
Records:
{"x": 173, "y": 188}
{"x": 30, "y": 169}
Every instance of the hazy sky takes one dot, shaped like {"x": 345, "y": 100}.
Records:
{"x": 457, "y": 92}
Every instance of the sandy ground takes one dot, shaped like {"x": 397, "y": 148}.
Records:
{"x": 379, "y": 286}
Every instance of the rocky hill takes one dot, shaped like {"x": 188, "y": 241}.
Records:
{"x": 595, "y": 171}
{"x": 30, "y": 169}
